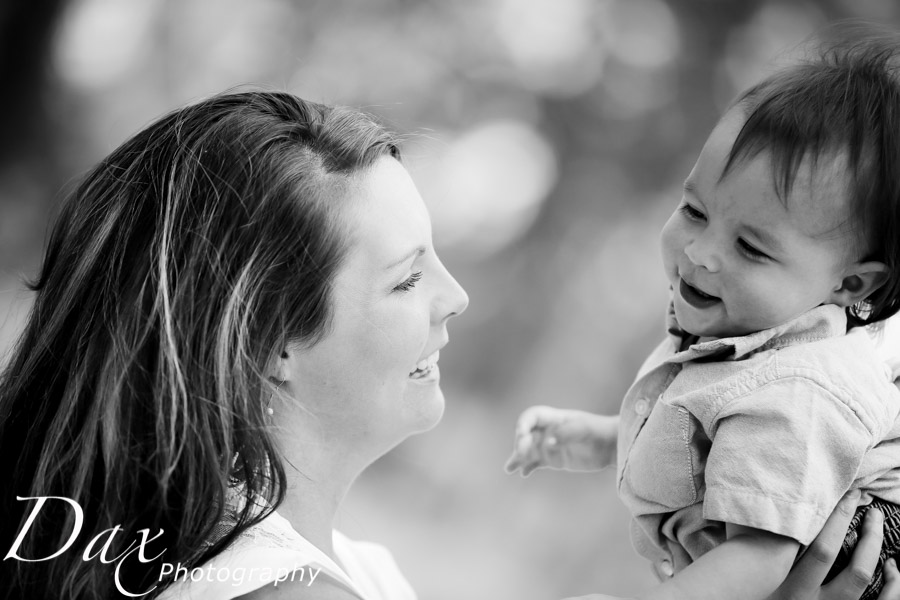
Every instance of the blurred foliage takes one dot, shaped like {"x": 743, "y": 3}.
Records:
{"x": 549, "y": 138}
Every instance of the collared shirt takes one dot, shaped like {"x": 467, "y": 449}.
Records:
{"x": 766, "y": 430}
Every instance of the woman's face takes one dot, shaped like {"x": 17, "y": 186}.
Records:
{"x": 391, "y": 301}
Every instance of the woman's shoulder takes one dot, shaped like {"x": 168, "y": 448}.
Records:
{"x": 321, "y": 589}
{"x": 370, "y": 567}
{"x": 272, "y": 560}
{"x": 269, "y": 551}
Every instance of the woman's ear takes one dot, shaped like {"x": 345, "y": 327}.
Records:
{"x": 279, "y": 370}
{"x": 860, "y": 282}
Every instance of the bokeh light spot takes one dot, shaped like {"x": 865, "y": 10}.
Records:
{"x": 101, "y": 40}
{"x": 487, "y": 187}
{"x": 641, "y": 33}
{"x": 552, "y": 44}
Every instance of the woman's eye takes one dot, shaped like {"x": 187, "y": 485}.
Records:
{"x": 750, "y": 252}
{"x": 409, "y": 283}
{"x": 692, "y": 213}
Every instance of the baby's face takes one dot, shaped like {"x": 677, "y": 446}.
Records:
{"x": 740, "y": 260}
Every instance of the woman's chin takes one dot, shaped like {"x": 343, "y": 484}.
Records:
{"x": 425, "y": 406}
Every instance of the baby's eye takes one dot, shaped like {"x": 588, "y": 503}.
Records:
{"x": 750, "y": 251}
{"x": 692, "y": 213}
{"x": 409, "y": 283}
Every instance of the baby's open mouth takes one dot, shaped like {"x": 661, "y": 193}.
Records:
{"x": 695, "y": 297}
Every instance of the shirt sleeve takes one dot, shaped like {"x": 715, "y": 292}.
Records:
{"x": 781, "y": 458}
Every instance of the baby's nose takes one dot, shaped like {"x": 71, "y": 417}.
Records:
{"x": 703, "y": 254}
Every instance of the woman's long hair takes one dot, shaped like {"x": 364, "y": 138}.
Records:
{"x": 176, "y": 271}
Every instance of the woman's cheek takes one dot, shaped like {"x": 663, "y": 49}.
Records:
{"x": 415, "y": 322}
{"x": 401, "y": 334}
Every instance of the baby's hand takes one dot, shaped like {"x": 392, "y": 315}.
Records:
{"x": 563, "y": 439}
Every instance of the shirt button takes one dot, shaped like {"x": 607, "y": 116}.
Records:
{"x": 642, "y": 407}
{"x": 666, "y": 568}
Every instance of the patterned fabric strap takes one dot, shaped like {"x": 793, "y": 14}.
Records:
{"x": 889, "y": 548}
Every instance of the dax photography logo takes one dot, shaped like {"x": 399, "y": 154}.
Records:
{"x": 99, "y": 547}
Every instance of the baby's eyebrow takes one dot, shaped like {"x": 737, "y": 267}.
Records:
{"x": 768, "y": 240}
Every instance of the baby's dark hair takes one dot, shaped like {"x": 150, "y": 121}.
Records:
{"x": 845, "y": 99}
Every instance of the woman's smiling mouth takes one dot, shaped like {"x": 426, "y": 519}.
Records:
{"x": 695, "y": 297}
{"x": 425, "y": 367}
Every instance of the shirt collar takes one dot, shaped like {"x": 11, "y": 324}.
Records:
{"x": 825, "y": 321}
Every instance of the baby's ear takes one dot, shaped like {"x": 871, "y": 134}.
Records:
{"x": 860, "y": 282}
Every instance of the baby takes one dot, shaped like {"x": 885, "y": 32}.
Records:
{"x": 766, "y": 402}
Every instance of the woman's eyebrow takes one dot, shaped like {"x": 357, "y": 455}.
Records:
{"x": 417, "y": 252}
{"x": 690, "y": 188}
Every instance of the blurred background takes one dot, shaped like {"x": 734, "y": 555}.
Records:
{"x": 549, "y": 138}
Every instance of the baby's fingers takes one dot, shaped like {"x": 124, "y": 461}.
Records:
{"x": 515, "y": 461}
{"x": 540, "y": 461}
{"x": 524, "y": 443}
{"x": 540, "y": 417}
{"x": 530, "y": 418}
{"x": 537, "y": 454}
{"x": 523, "y": 451}
{"x": 512, "y": 463}
{"x": 545, "y": 452}
{"x": 534, "y": 444}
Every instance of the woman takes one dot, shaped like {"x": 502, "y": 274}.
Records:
{"x": 239, "y": 309}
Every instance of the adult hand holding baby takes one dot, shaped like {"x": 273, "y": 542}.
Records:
{"x": 804, "y": 580}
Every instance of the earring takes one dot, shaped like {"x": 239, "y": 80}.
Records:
{"x": 269, "y": 410}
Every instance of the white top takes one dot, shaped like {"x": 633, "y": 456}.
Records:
{"x": 273, "y": 550}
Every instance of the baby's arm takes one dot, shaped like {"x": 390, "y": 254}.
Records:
{"x": 563, "y": 439}
{"x": 750, "y": 564}
{"x": 805, "y": 579}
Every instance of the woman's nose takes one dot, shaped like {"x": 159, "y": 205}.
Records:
{"x": 702, "y": 253}
{"x": 451, "y": 298}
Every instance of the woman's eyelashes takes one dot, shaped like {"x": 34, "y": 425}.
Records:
{"x": 409, "y": 283}
{"x": 692, "y": 213}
